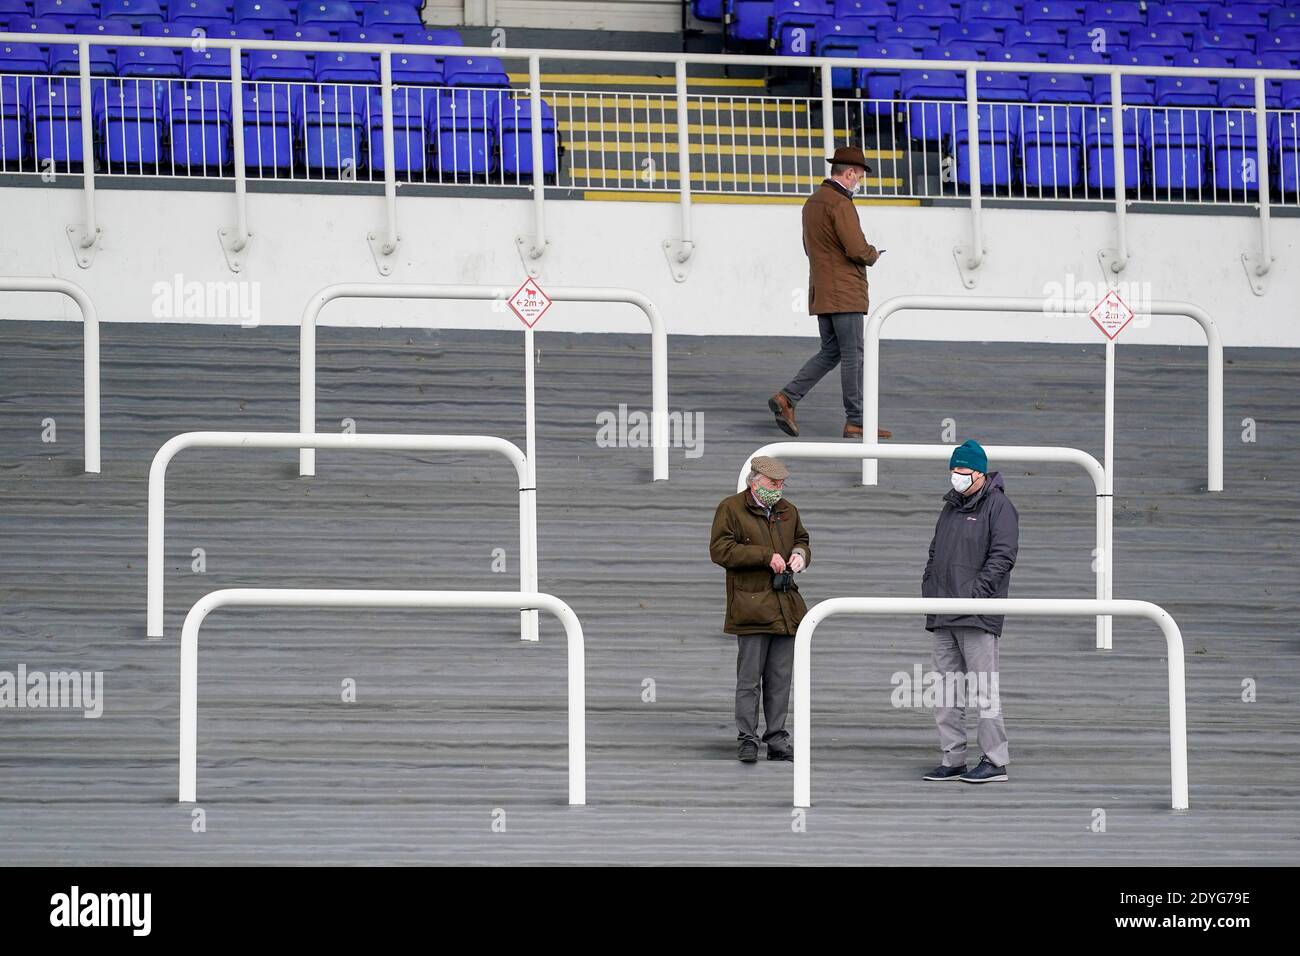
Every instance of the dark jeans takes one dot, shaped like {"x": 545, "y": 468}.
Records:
{"x": 841, "y": 345}
{"x": 766, "y": 662}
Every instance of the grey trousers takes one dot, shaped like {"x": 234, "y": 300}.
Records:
{"x": 964, "y": 651}
{"x": 841, "y": 334}
{"x": 766, "y": 661}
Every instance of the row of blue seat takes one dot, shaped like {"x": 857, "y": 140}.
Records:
{"x": 63, "y": 59}
{"x": 315, "y": 128}
{"x": 1066, "y": 148}
{"x": 143, "y": 11}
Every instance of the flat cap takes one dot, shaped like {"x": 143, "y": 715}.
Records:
{"x": 771, "y": 467}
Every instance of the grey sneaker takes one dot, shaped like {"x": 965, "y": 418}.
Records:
{"x": 946, "y": 773}
{"x": 985, "y": 772}
{"x": 747, "y": 752}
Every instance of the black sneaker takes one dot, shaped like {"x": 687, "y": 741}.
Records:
{"x": 985, "y": 772}
{"x": 748, "y": 752}
{"x": 786, "y": 753}
{"x": 946, "y": 773}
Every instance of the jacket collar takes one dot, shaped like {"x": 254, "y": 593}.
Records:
{"x": 838, "y": 188}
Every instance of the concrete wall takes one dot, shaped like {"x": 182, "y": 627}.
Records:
{"x": 748, "y": 275}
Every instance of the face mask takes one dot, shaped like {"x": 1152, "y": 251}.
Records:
{"x": 962, "y": 482}
{"x": 768, "y": 496}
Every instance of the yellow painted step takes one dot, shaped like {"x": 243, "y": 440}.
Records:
{"x": 725, "y": 148}
{"x": 636, "y": 79}
{"x": 747, "y": 199}
{"x": 668, "y": 101}
{"x": 756, "y": 178}
{"x": 701, "y": 129}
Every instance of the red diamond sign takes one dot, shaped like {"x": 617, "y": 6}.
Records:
{"x": 530, "y": 303}
{"x": 1111, "y": 315}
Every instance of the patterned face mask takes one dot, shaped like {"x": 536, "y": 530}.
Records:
{"x": 769, "y": 496}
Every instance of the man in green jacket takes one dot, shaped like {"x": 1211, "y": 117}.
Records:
{"x": 758, "y": 537}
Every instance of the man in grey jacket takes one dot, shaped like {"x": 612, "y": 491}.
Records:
{"x": 971, "y": 556}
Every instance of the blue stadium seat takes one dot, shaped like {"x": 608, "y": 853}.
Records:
{"x": 356, "y": 33}
{"x": 332, "y": 129}
{"x": 1223, "y": 40}
{"x": 1119, "y": 11}
{"x": 835, "y": 36}
{"x": 1284, "y": 144}
{"x": 67, "y": 12}
{"x": 1247, "y": 18}
{"x": 931, "y": 12}
{"x": 871, "y": 10}
{"x": 1177, "y": 141}
{"x": 56, "y": 121}
{"x": 1184, "y": 15}
{"x": 146, "y": 61}
{"x": 14, "y": 8}
{"x": 183, "y": 31}
{"x": 1064, "y": 87}
{"x": 463, "y": 143}
{"x": 999, "y": 13}
{"x": 795, "y": 24}
{"x": 437, "y": 38}
{"x": 1063, "y": 12}
{"x": 411, "y": 141}
{"x": 129, "y": 122}
{"x": 1285, "y": 40}
{"x": 391, "y": 15}
{"x": 281, "y": 65}
{"x": 979, "y": 35}
{"x": 932, "y": 122}
{"x": 708, "y": 10}
{"x": 1099, "y": 149}
{"x": 1135, "y": 89}
{"x": 1262, "y": 61}
{"x": 238, "y": 31}
{"x": 15, "y": 93}
{"x": 334, "y": 67}
{"x": 268, "y": 127}
{"x": 748, "y": 20}
{"x": 1042, "y": 37}
{"x": 996, "y": 148}
{"x": 65, "y": 60}
{"x": 203, "y": 11}
{"x": 882, "y": 85}
{"x": 1053, "y": 148}
{"x": 1234, "y": 160}
{"x": 329, "y": 12}
{"x": 198, "y": 126}
{"x": 209, "y": 64}
{"x": 417, "y": 69}
{"x": 842, "y": 77}
{"x": 1168, "y": 35}
{"x": 311, "y": 33}
{"x": 1005, "y": 86}
{"x": 133, "y": 11}
{"x": 914, "y": 33}
{"x": 1185, "y": 91}
{"x": 474, "y": 71}
{"x": 101, "y": 28}
{"x": 1283, "y": 17}
{"x": 512, "y": 126}
{"x": 270, "y": 15}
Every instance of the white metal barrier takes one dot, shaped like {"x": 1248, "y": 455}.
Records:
{"x": 374, "y": 290}
{"x": 1040, "y": 608}
{"x": 955, "y": 303}
{"x": 90, "y": 348}
{"x": 331, "y": 597}
{"x": 1040, "y": 453}
{"x": 158, "y": 494}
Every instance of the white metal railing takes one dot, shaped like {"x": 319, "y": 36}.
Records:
{"x": 673, "y": 141}
{"x": 353, "y": 442}
{"x": 836, "y": 451}
{"x": 949, "y": 303}
{"x": 374, "y": 290}
{"x": 90, "y": 351}
{"x": 335, "y": 598}
{"x": 1048, "y": 607}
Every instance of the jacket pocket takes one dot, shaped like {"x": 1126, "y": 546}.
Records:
{"x": 753, "y": 608}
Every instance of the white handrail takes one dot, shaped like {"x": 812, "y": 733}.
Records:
{"x": 374, "y": 290}
{"x": 1041, "y": 453}
{"x": 334, "y": 597}
{"x": 1047, "y": 607}
{"x": 90, "y": 348}
{"x": 158, "y": 494}
{"x": 957, "y": 303}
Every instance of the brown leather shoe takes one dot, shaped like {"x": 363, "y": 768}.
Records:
{"x": 782, "y": 408}
{"x": 855, "y": 431}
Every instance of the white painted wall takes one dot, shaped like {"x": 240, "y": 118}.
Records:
{"x": 652, "y": 15}
{"x": 748, "y": 276}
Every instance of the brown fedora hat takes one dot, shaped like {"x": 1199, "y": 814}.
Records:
{"x": 849, "y": 156}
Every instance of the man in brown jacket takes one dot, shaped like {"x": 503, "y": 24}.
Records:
{"x": 838, "y": 256}
{"x": 758, "y": 537}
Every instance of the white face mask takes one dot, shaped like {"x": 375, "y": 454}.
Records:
{"x": 962, "y": 482}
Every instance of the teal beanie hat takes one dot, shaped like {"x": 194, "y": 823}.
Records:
{"x": 969, "y": 454}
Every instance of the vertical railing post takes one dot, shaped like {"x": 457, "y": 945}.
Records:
{"x": 86, "y": 236}
{"x": 384, "y": 246}
{"x": 680, "y": 252}
{"x": 1120, "y": 259}
{"x": 539, "y": 178}
{"x": 235, "y": 243}
{"x": 969, "y": 260}
{"x": 1257, "y": 270}
{"x": 828, "y": 113}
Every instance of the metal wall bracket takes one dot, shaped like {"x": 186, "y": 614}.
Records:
{"x": 525, "y": 246}
{"x": 82, "y": 251}
{"x": 680, "y": 254}
{"x": 236, "y": 258}
{"x": 1257, "y": 271}
{"x": 383, "y": 260}
{"x": 1108, "y": 259}
{"x": 969, "y": 276}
